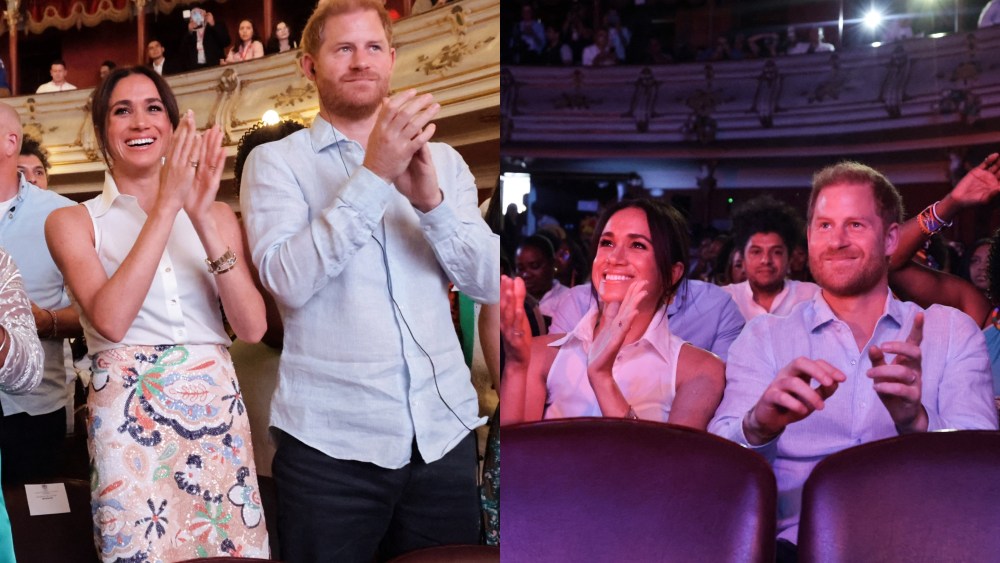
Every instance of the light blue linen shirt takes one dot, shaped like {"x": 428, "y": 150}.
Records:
{"x": 957, "y": 390}
{"x": 22, "y": 234}
{"x": 701, "y": 313}
{"x": 369, "y": 339}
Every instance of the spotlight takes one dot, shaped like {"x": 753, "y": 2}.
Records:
{"x": 873, "y": 19}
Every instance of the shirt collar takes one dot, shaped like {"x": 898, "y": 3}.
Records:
{"x": 108, "y": 195}
{"x": 822, "y": 313}
{"x": 22, "y": 187}
{"x": 323, "y": 134}
{"x": 657, "y": 334}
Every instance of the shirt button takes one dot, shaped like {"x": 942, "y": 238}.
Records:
{"x": 168, "y": 269}
{"x": 854, "y": 362}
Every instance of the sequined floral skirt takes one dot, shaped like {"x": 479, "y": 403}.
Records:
{"x": 172, "y": 470}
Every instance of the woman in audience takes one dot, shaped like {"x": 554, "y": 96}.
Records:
{"x": 975, "y": 264}
{"x": 535, "y": 263}
{"x": 173, "y": 470}
{"x": 247, "y": 47}
{"x": 621, "y": 359}
{"x": 281, "y": 39}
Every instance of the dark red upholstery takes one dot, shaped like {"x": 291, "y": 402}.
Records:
{"x": 229, "y": 560}
{"x": 593, "y": 489}
{"x": 451, "y": 554}
{"x": 921, "y": 497}
{"x": 67, "y": 538}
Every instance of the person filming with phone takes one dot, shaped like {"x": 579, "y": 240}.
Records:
{"x": 205, "y": 43}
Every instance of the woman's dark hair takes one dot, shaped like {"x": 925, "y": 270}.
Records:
{"x": 541, "y": 243}
{"x": 272, "y": 45}
{"x": 101, "y": 103}
{"x": 966, "y": 259}
{"x": 258, "y": 135}
{"x": 238, "y": 41}
{"x": 668, "y": 231}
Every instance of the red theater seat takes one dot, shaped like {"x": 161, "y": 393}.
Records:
{"x": 614, "y": 490}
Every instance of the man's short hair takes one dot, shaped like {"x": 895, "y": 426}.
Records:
{"x": 30, "y": 146}
{"x": 312, "y": 34}
{"x": 888, "y": 202}
{"x": 110, "y": 64}
{"x": 765, "y": 214}
{"x": 59, "y": 62}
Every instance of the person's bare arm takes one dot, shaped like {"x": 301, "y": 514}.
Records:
{"x": 701, "y": 379}
{"x": 925, "y": 287}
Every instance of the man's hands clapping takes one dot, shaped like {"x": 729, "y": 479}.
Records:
{"x": 397, "y": 147}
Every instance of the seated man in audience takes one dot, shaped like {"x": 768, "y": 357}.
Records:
{"x": 853, "y": 364}
{"x": 34, "y": 424}
{"x": 58, "y": 83}
{"x": 700, "y": 313}
{"x": 766, "y": 230}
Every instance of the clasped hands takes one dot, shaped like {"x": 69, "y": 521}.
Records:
{"x": 397, "y": 148}
{"x": 804, "y": 384}
{"x": 192, "y": 169}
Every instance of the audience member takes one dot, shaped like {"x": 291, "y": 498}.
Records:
{"x": 619, "y": 36}
{"x": 393, "y": 222}
{"x": 58, "y": 83}
{"x": 33, "y": 163}
{"x": 159, "y": 61}
{"x": 528, "y": 37}
{"x": 639, "y": 261}
{"x": 600, "y": 52}
{"x": 535, "y": 264}
{"x": 4, "y": 84}
{"x": 204, "y": 44}
{"x": 764, "y": 231}
{"x": 576, "y": 30}
{"x": 654, "y": 54}
{"x": 814, "y": 45}
{"x": 105, "y": 69}
{"x": 34, "y": 424}
{"x": 247, "y": 46}
{"x": 992, "y": 328}
{"x": 555, "y": 52}
{"x": 281, "y": 39}
{"x": 977, "y": 263}
{"x": 737, "y": 268}
{"x": 763, "y": 45}
{"x": 20, "y": 358}
{"x": 134, "y": 261}
{"x": 817, "y": 381}
{"x": 798, "y": 261}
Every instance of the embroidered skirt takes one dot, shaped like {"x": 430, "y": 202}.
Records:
{"x": 172, "y": 467}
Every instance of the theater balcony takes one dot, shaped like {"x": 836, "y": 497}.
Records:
{"x": 914, "y": 109}
{"x": 451, "y": 51}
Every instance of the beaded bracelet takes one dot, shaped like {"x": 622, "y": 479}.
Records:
{"x": 930, "y": 222}
{"x": 222, "y": 264}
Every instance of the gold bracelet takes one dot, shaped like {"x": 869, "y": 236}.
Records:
{"x": 222, "y": 264}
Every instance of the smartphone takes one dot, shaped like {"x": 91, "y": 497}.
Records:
{"x": 186, "y": 14}
{"x": 198, "y": 18}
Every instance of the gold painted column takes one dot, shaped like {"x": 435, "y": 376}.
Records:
{"x": 140, "y": 7}
{"x": 12, "y": 16}
{"x": 268, "y": 29}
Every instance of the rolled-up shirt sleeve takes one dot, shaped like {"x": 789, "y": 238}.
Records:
{"x": 22, "y": 370}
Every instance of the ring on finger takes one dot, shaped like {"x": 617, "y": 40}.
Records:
{"x": 194, "y": 164}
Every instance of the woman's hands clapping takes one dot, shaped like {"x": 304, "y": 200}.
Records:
{"x": 616, "y": 321}
{"x": 211, "y": 158}
{"x": 181, "y": 165}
